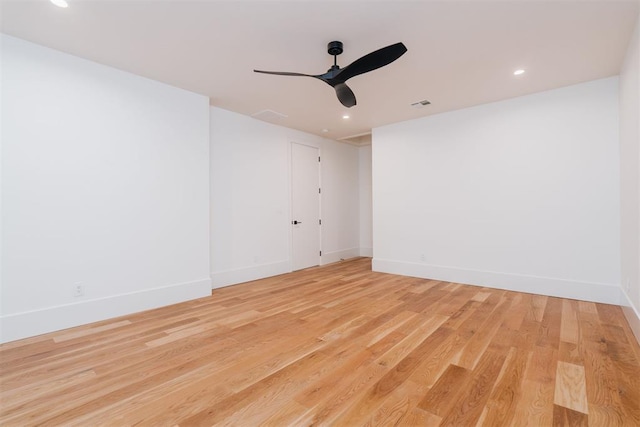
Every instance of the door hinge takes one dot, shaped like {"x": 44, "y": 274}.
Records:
{"x": 320, "y": 221}
{"x": 320, "y": 253}
{"x": 318, "y": 158}
{"x": 319, "y": 191}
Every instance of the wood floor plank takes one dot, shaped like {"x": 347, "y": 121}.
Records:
{"x": 569, "y": 323}
{"x": 549, "y": 331}
{"x": 627, "y": 370}
{"x": 563, "y": 416}
{"x": 349, "y": 365}
{"x": 571, "y": 387}
{"x": 334, "y": 345}
{"x": 268, "y": 393}
{"x": 421, "y": 331}
{"x": 394, "y": 378}
{"x": 85, "y": 332}
{"x": 535, "y": 407}
{"x": 602, "y": 388}
{"x": 400, "y": 408}
{"x": 470, "y": 354}
{"x": 537, "y": 308}
{"x": 349, "y": 389}
{"x": 501, "y": 406}
{"x": 432, "y": 367}
{"x": 286, "y": 415}
{"x": 469, "y": 407}
{"x": 516, "y": 314}
{"x": 445, "y": 392}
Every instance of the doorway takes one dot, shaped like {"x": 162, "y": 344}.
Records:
{"x": 305, "y": 206}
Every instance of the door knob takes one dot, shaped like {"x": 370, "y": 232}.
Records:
{"x": 296, "y": 222}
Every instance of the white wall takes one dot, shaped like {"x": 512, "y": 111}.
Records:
{"x": 521, "y": 194}
{"x": 250, "y": 198}
{"x": 366, "y": 226}
{"x": 340, "y": 205}
{"x": 104, "y": 183}
{"x": 630, "y": 180}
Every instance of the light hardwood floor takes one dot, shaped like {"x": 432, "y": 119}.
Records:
{"x": 334, "y": 345}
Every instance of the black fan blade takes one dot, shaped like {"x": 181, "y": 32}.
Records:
{"x": 345, "y": 95}
{"x": 372, "y": 61}
{"x": 284, "y": 73}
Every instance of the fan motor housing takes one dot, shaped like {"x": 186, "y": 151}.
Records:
{"x": 334, "y": 48}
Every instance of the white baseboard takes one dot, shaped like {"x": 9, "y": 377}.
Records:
{"x": 632, "y": 314}
{"x": 331, "y": 257}
{"x": 368, "y": 252}
{"x": 585, "y": 291}
{"x": 220, "y": 279}
{"x": 31, "y": 323}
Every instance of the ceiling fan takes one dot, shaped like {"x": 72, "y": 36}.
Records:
{"x": 336, "y": 77}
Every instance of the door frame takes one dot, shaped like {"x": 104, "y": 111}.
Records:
{"x": 290, "y": 173}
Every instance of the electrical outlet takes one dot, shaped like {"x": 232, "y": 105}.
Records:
{"x": 423, "y": 258}
{"x": 78, "y": 290}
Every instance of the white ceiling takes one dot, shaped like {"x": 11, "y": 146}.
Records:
{"x": 459, "y": 53}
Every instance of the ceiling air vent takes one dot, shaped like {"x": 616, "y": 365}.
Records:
{"x": 420, "y": 104}
{"x": 269, "y": 116}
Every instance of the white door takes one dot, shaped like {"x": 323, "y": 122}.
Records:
{"x": 305, "y": 206}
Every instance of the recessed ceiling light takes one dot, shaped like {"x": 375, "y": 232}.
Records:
{"x": 60, "y": 3}
{"x": 345, "y": 116}
{"x": 518, "y": 72}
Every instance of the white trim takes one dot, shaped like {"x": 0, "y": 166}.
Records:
{"x": 585, "y": 291}
{"x": 30, "y": 323}
{"x": 631, "y": 313}
{"x": 368, "y": 252}
{"x": 246, "y": 274}
{"x": 331, "y": 257}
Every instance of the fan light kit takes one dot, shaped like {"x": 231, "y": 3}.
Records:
{"x": 345, "y": 116}
{"x": 336, "y": 76}
{"x": 60, "y": 3}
